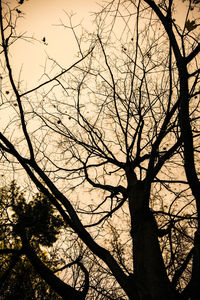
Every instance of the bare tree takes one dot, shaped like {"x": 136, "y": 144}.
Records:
{"x": 108, "y": 141}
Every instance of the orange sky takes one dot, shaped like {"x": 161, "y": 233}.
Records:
{"x": 40, "y": 16}
{"x": 39, "y": 20}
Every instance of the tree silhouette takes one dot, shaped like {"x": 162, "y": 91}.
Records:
{"x": 18, "y": 278}
{"x": 112, "y": 143}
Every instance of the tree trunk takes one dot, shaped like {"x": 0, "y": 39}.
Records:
{"x": 149, "y": 269}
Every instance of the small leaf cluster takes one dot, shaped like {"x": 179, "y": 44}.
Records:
{"x": 190, "y": 25}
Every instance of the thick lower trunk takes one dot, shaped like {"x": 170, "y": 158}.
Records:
{"x": 149, "y": 269}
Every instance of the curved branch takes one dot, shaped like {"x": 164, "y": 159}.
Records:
{"x": 84, "y": 270}
{"x": 60, "y": 287}
{"x": 106, "y": 187}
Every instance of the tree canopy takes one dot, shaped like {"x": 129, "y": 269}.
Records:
{"x": 36, "y": 219}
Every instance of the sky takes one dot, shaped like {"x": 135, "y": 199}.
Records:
{"x": 38, "y": 19}
{"x": 41, "y": 19}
